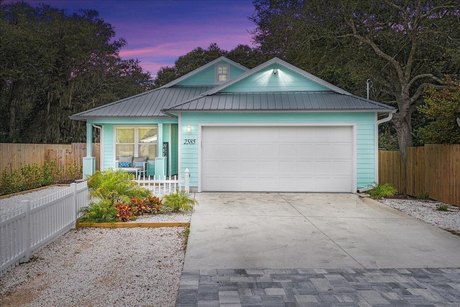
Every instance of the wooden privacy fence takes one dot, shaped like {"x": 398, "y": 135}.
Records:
{"x": 67, "y": 157}
{"x": 431, "y": 170}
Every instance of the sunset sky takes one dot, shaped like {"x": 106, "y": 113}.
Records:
{"x": 158, "y": 32}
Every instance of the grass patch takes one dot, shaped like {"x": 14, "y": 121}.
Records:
{"x": 382, "y": 191}
{"x": 442, "y": 207}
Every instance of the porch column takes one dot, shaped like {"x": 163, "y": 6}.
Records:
{"x": 89, "y": 162}
{"x": 160, "y": 140}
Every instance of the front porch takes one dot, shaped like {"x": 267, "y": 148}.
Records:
{"x": 149, "y": 148}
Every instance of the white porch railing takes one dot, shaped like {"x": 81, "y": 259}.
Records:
{"x": 38, "y": 222}
{"x": 165, "y": 185}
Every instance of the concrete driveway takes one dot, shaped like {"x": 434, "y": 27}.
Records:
{"x": 297, "y": 230}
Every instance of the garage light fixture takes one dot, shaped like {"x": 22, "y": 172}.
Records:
{"x": 275, "y": 71}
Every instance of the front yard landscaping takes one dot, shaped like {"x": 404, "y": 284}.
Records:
{"x": 100, "y": 267}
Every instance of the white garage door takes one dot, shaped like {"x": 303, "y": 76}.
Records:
{"x": 288, "y": 158}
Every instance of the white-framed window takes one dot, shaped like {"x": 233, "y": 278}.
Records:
{"x": 222, "y": 73}
{"x": 136, "y": 141}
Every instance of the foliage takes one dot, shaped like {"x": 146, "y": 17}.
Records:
{"x": 442, "y": 108}
{"x": 442, "y": 207}
{"x": 382, "y": 190}
{"x": 124, "y": 212}
{"x": 101, "y": 211}
{"x": 28, "y": 177}
{"x": 139, "y": 206}
{"x": 155, "y": 203}
{"x": 394, "y": 43}
{"x": 115, "y": 186}
{"x": 179, "y": 201}
{"x": 54, "y": 64}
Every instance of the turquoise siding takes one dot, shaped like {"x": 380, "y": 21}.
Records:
{"x": 208, "y": 76}
{"x": 365, "y": 130}
{"x": 266, "y": 81}
{"x": 174, "y": 147}
{"x": 108, "y": 147}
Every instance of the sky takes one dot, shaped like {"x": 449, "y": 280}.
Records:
{"x": 159, "y": 31}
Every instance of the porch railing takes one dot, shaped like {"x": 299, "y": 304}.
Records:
{"x": 165, "y": 185}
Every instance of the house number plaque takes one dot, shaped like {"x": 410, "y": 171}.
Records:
{"x": 189, "y": 141}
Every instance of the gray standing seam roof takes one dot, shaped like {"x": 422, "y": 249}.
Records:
{"x": 148, "y": 104}
{"x": 280, "y": 101}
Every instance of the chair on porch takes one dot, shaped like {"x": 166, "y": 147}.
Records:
{"x": 136, "y": 165}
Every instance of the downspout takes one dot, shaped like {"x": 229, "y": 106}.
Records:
{"x": 378, "y": 122}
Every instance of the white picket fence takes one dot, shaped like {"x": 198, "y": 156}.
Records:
{"x": 38, "y": 222}
{"x": 165, "y": 185}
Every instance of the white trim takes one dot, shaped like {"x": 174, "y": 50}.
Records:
{"x": 199, "y": 69}
{"x": 376, "y": 149}
{"x": 179, "y": 147}
{"x": 101, "y": 149}
{"x": 354, "y": 141}
{"x": 178, "y": 111}
{"x": 282, "y": 63}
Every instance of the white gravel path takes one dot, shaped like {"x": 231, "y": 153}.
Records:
{"x": 425, "y": 210}
{"x": 100, "y": 267}
{"x": 14, "y": 202}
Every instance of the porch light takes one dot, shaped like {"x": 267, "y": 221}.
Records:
{"x": 275, "y": 71}
{"x": 188, "y": 128}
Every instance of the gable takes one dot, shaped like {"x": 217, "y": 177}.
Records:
{"x": 208, "y": 76}
{"x": 285, "y": 80}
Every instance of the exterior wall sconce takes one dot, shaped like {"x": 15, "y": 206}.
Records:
{"x": 188, "y": 129}
{"x": 275, "y": 71}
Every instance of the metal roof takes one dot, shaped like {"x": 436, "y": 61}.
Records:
{"x": 281, "y": 101}
{"x": 148, "y": 104}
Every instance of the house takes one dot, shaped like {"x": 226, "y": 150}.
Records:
{"x": 272, "y": 128}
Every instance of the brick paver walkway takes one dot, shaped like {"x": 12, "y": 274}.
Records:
{"x": 318, "y": 287}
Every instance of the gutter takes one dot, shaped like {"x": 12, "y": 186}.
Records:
{"x": 385, "y": 119}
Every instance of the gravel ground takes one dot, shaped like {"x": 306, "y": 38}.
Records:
{"x": 169, "y": 217}
{"x": 15, "y": 201}
{"x": 425, "y": 210}
{"x": 100, "y": 267}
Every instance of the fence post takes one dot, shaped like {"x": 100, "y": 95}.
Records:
{"x": 187, "y": 181}
{"x": 27, "y": 231}
{"x": 75, "y": 203}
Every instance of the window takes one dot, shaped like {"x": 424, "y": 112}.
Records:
{"x": 222, "y": 73}
{"x": 136, "y": 141}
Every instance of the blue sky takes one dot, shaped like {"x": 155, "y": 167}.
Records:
{"x": 158, "y": 32}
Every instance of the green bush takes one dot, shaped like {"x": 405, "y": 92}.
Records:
{"x": 101, "y": 211}
{"x": 442, "y": 207}
{"x": 115, "y": 186}
{"x": 28, "y": 177}
{"x": 179, "y": 201}
{"x": 382, "y": 190}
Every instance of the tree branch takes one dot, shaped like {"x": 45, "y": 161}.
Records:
{"x": 420, "y": 90}
{"x": 421, "y": 76}
{"x": 376, "y": 49}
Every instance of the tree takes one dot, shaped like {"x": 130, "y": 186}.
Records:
{"x": 404, "y": 46}
{"x": 442, "y": 108}
{"x": 53, "y": 65}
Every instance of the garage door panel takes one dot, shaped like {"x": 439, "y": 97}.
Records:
{"x": 290, "y": 158}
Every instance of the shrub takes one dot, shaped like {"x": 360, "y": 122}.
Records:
{"x": 442, "y": 207}
{"x": 424, "y": 196}
{"x": 28, "y": 177}
{"x": 124, "y": 212}
{"x": 139, "y": 206}
{"x": 179, "y": 201}
{"x": 382, "y": 190}
{"x": 115, "y": 186}
{"x": 155, "y": 204}
{"x": 101, "y": 211}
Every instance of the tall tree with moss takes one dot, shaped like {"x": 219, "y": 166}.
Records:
{"x": 403, "y": 46}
